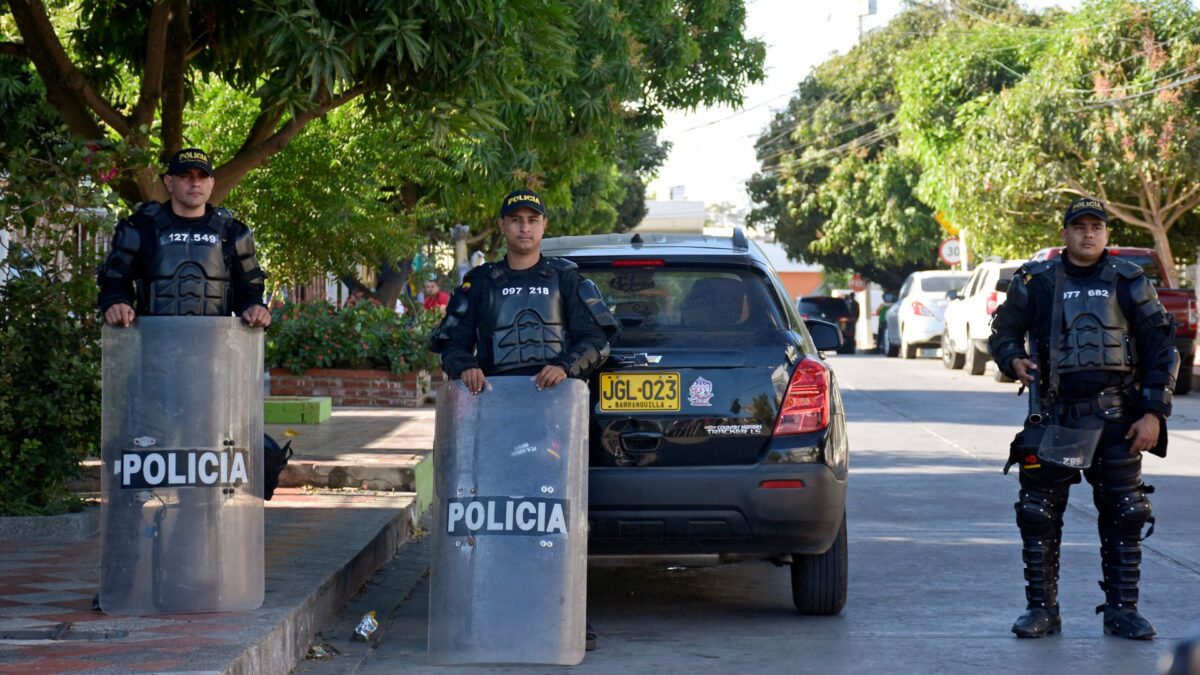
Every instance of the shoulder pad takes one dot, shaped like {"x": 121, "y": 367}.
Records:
{"x": 1034, "y": 267}
{"x": 560, "y": 264}
{"x": 150, "y": 208}
{"x": 1125, "y": 268}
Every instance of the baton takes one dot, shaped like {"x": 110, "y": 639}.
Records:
{"x": 1036, "y": 416}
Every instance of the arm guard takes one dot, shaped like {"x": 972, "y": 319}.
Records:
{"x": 454, "y": 337}
{"x": 1011, "y": 322}
{"x": 589, "y": 343}
{"x": 246, "y": 276}
{"x": 1154, "y": 329}
{"x": 115, "y": 276}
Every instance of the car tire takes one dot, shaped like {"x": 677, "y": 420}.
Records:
{"x": 889, "y": 349}
{"x": 975, "y": 361}
{"x": 848, "y": 348}
{"x": 950, "y": 358}
{"x": 819, "y": 581}
{"x": 1183, "y": 383}
{"x": 907, "y": 351}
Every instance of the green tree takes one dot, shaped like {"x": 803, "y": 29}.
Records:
{"x": 1108, "y": 108}
{"x": 832, "y": 185}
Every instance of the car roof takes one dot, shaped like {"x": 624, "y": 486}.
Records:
{"x": 656, "y": 244}
{"x": 938, "y": 273}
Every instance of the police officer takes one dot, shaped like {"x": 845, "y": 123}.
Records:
{"x": 525, "y": 315}
{"x": 182, "y": 257}
{"x": 1106, "y": 362}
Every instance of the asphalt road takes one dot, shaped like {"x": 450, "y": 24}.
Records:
{"x": 935, "y": 564}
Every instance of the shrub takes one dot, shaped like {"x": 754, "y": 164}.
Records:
{"x": 367, "y": 335}
{"x": 56, "y": 204}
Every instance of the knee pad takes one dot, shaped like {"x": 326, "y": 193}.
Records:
{"x": 1131, "y": 512}
{"x": 1038, "y": 513}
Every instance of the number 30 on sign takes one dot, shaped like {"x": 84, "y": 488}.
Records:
{"x": 950, "y": 251}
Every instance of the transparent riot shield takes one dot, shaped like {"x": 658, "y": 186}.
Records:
{"x": 182, "y": 510}
{"x": 508, "y": 574}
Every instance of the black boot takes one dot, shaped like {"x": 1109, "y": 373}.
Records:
{"x": 589, "y": 643}
{"x": 1122, "y": 571}
{"x": 1039, "y": 515}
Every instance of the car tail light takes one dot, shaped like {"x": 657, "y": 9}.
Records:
{"x": 993, "y": 301}
{"x": 920, "y": 309}
{"x": 1193, "y": 316}
{"x": 637, "y": 262}
{"x": 843, "y": 320}
{"x": 781, "y": 484}
{"x": 806, "y": 403}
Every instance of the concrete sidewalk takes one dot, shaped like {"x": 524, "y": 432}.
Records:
{"x": 322, "y": 545}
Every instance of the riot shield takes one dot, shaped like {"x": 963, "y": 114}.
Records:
{"x": 1072, "y": 446}
{"x": 182, "y": 510}
{"x": 508, "y": 574}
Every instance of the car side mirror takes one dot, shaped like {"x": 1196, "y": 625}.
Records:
{"x": 825, "y": 335}
{"x": 951, "y": 295}
{"x": 889, "y": 297}
{"x": 1002, "y": 285}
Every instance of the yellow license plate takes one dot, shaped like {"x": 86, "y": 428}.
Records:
{"x": 620, "y": 392}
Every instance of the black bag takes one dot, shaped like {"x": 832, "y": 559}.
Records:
{"x": 275, "y": 459}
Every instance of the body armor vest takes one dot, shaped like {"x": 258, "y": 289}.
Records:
{"x": 528, "y": 320}
{"x": 188, "y": 274}
{"x": 1095, "y": 334}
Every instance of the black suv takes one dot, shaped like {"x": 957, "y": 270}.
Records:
{"x": 717, "y": 429}
{"x": 834, "y": 310}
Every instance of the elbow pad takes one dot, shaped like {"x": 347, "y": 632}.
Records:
{"x": 594, "y": 301}
{"x": 246, "y": 260}
{"x": 455, "y": 311}
{"x": 126, "y": 243}
{"x": 579, "y": 366}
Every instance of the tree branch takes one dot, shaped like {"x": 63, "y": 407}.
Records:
{"x": 173, "y": 77}
{"x": 67, "y": 89}
{"x": 1183, "y": 207}
{"x": 1125, "y": 213}
{"x": 16, "y": 49}
{"x": 232, "y": 172}
{"x": 264, "y": 125}
{"x": 156, "y": 52}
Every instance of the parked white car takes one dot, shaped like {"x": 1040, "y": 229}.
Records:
{"x": 969, "y": 317}
{"x": 915, "y": 321}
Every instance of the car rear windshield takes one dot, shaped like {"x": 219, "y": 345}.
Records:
{"x": 679, "y": 299}
{"x": 828, "y": 308}
{"x": 941, "y": 284}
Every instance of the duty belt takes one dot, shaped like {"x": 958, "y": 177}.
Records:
{"x": 1108, "y": 403}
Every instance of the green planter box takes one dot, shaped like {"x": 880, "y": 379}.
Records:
{"x": 297, "y": 409}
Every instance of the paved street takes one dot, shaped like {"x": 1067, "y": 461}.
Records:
{"x": 935, "y": 571}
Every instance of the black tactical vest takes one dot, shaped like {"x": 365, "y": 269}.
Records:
{"x": 188, "y": 274}
{"x": 1094, "y": 333}
{"x": 528, "y": 320}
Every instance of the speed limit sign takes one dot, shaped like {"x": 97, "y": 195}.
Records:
{"x": 950, "y": 251}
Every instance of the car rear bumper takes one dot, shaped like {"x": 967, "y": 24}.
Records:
{"x": 722, "y": 510}
{"x": 923, "y": 330}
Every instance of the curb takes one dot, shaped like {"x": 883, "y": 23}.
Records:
{"x": 284, "y": 647}
{"x": 64, "y": 527}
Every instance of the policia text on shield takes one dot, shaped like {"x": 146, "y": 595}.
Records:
{"x": 1107, "y": 370}
{"x": 533, "y": 320}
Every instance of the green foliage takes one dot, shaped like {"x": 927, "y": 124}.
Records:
{"x": 56, "y": 205}
{"x": 366, "y": 335}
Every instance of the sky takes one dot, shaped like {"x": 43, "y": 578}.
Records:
{"x": 713, "y": 148}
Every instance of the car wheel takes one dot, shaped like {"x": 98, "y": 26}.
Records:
{"x": 950, "y": 358}
{"x": 889, "y": 349}
{"x": 819, "y": 581}
{"x": 1183, "y": 383}
{"x": 907, "y": 351}
{"x": 975, "y": 360}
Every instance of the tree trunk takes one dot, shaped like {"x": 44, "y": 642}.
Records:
{"x": 1162, "y": 246}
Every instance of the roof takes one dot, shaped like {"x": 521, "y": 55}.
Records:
{"x": 650, "y": 244}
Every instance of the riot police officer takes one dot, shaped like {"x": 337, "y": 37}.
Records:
{"x": 182, "y": 257}
{"x": 1106, "y": 368}
{"x": 525, "y": 315}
